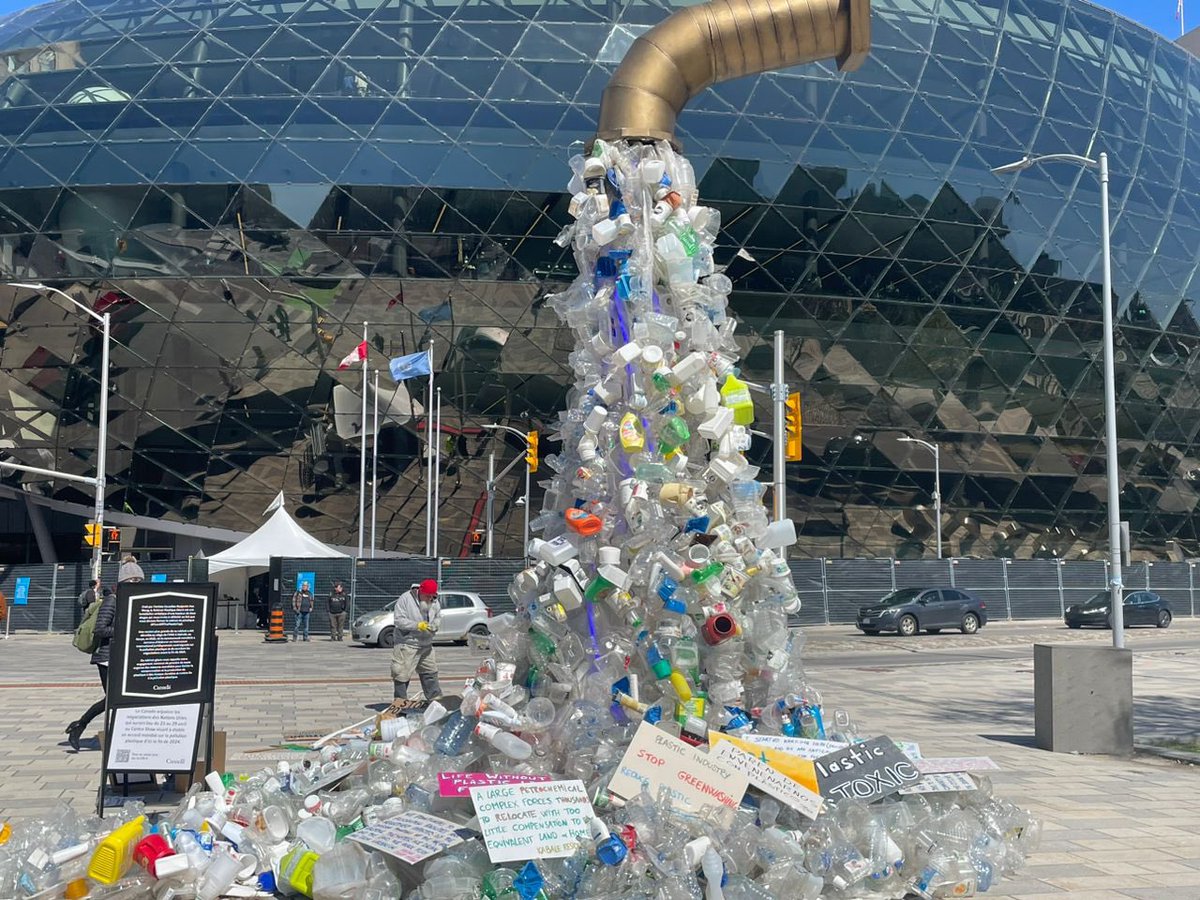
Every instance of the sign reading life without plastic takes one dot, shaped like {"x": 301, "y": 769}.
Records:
{"x": 866, "y": 771}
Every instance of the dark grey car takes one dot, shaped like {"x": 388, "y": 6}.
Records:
{"x": 909, "y": 610}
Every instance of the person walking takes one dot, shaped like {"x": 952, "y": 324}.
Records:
{"x": 339, "y": 601}
{"x": 90, "y": 594}
{"x": 302, "y": 605}
{"x": 417, "y": 619}
{"x": 103, "y": 631}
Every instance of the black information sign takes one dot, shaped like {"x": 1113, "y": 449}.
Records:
{"x": 164, "y": 644}
{"x": 866, "y": 771}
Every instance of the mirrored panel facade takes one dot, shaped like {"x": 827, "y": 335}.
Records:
{"x": 244, "y": 184}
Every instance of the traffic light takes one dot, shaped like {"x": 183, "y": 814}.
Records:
{"x": 531, "y": 450}
{"x": 114, "y": 540}
{"x": 795, "y": 427}
{"x": 91, "y": 534}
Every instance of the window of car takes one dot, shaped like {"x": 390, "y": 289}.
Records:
{"x": 1137, "y": 598}
{"x": 1097, "y": 601}
{"x": 953, "y": 596}
{"x": 900, "y": 597}
{"x": 454, "y": 601}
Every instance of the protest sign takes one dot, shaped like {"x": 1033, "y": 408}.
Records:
{"x": 540, "y": 820}
{"x": 794, "y": 767}
{"x": 940, "y": 783}
{"x": 811, "y": 748}
{"x": 459, "y": 784}
{"x": 770, "y": 781}
{"x": 866, "y": 771}
{"x": 933, "y": 765}
{"x": 694, "y": 779}
{"x": 411, "y": 836}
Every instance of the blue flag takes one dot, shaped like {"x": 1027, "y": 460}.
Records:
{"x": 439, "y": 313}
{"x": 405, "y": 367}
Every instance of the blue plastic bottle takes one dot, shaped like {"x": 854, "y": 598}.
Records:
{"x": 455, "y": 734}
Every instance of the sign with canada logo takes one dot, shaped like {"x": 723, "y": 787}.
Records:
{"x": 163, "y": 645}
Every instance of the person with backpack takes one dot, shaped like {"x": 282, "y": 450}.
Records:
{"x": 98, "y": 636}
{"x": 302, "y": 606}
{"x": 90, "y": 595}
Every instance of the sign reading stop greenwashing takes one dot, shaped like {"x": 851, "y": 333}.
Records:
{"x": 866, "y": 771}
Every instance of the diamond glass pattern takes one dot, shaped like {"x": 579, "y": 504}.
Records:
{"x": 243, "y": 183}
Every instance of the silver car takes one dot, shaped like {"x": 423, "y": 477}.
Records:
{"x": 463, "y": 613}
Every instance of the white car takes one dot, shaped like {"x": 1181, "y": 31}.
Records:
{"x": 463, "y": 613}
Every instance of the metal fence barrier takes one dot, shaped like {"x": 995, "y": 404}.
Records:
{"x": 831, "y": 590}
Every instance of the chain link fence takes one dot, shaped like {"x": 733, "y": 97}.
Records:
{"x": 831, "y": 590}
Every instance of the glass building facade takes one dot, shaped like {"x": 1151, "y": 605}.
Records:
{"x": 244, "y": 183}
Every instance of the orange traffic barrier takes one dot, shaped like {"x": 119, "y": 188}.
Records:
{"x": 275, "y": 628}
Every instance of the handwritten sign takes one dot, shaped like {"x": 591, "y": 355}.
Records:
{"x": 811, "y": 748}
{"x": 459, "y": 784}
{"x": 942, "y": 782}
{"x": 542, "y": 820}
{"x": 769, "y": 781}
{"x": 866, "y": 771}
{"x": 794, "y": 767}
{"x": 411, "y": 836}
{"x": 694, "y": 780}
{"x": 936, "y": 764}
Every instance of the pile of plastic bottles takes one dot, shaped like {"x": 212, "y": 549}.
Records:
{"x": 656, "y": 593}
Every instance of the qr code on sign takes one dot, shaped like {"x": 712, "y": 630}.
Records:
{"x": 121, "y": 756}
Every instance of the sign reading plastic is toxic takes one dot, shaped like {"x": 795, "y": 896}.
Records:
{"x": 866, "y": 771}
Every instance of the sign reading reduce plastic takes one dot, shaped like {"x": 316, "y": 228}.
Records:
{"x": 866, "y": 771}
{"x": 164, "y": 642}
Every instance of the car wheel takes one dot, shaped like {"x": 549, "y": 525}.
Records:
{"x": 907, "y": 626}
{"x": 970, "y": 624}
{"x": 1164, "y": 619}
{"x": 480, "y": 629}
{"x": 1072, "y": 624}
{"x": 387, "y": 637}
{"x": 933, "y": 631}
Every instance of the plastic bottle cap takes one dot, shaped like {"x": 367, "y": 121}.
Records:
{"x": 661, "y": 669}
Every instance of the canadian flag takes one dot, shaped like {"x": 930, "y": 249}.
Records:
{"x": 357, "y": 355}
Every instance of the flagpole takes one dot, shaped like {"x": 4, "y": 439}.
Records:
{"x": 437, "y": 485}
{"x": 375, "y": 464}
{"x": 429, "y": 457}
{"x": 362, "y": 452}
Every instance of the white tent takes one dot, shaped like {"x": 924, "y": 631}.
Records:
{"x": 278, "y": 536}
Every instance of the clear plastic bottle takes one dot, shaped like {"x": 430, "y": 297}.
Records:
{"x": 455, "y": 734}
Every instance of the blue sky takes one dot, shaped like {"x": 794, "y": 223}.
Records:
{"x": 1157, "y": 14}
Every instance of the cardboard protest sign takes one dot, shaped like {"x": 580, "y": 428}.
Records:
{"x": 541, "y": 820}
{"x": 940, "y": 783}
{"x": 694, "y": 779}
{"x": 933, "y": 765}
{"x": 411, "y": 836}
{"x": 459, "y": 784}
{"x": 811, "y": 748}
{"x": 866, "y": 771}
{"x": 770, "y": 781}
{"x": 794, "y": 767}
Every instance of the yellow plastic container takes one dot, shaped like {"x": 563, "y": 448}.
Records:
{"x": 633, "y": 439}
{"x": 114, "y": 855}
{"x": 296, "y": 870}
{"x": 736, "y": 396}
{"x": 5, "y": 832}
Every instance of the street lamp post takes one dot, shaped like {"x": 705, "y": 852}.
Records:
{"x": 491, "y": 484}
{"x": 1113, "y": 474}
{"x": 937, "y": 483}
{"x": 102, "y": 436}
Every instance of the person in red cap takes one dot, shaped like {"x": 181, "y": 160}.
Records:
{"x": 417, "y": 619}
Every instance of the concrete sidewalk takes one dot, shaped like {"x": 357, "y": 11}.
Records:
{"x": 1113, "y": 828}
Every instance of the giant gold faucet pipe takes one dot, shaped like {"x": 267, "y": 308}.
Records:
{"x": 702, "y": 45}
